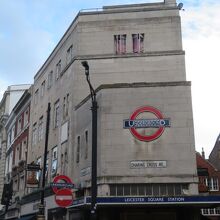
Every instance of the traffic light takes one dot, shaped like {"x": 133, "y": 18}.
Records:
{"x": 7, "y": 193}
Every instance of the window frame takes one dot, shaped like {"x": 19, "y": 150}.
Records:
{"x": 58, "y": 69}
{"x": 120, "y": 43}
{"x": 138, "y": 43}
{"x": 56, "y": 113}
{"x": 69, "y": 54}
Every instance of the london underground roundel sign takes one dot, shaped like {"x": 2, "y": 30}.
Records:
{"x": 157, "y": 122}
{"x": 62, "y": 186}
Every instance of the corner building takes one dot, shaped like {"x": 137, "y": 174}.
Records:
{"x": 136, "y": 60}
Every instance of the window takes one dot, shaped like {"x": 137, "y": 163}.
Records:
{"x": 50, "y": 80}
{"x": 56, "y": 113}
{"x": 78, "y": 150}
{"x": 39, "y": 172}
{"x": 26, "y": 117}
{"x": 214, "y": 211}
{"x": 40, "y": 129}
{"x": 62, "y": 164}
{"x": 212, "y": 183}
{"x": 120, "y": 43}
{"x": 64, "y": 161}
{"x": 9, "y": 138}
{"x": 54, "y": 162}
{"x": 13, "y": 133}
{"x": 19, "y": 125}
{"x": 42, "y": 89}
{"x": 34, "y": 134}
{"x": 58, "y": 70}
{"x": 65, "y": 106}
{"x": 145, "y": 189}
{"x": 138, "y": 43}
{"x": 21, "y": 183}
{"x": 69, "y": 54}
{"x": 86, "y": 144}
{"x": 36, "y": 94}
{"x": 64, "y": 132}
{"x": 20, "y": 151}
{"x": 24, "y": 150}
{"x": 16, "y": 154}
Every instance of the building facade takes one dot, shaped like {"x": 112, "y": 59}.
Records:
{"x": 137, "y": 51}
{"x": 209, "y": 179}
{"x": 146, "y": 151}
{"x": 9, "y": 100}
{"x": 214, "y": 156}
{"x": 17, "y": 129}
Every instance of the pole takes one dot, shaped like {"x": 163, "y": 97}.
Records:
{"x": 94, "y": 159}
{"x": 41, "y": 215}
{"x": 94, "y": 143}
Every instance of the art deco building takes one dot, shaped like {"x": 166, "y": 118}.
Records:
{"x": 146, "y": 154}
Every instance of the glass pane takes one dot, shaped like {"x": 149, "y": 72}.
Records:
{"x": 156, "y": 190}
{"x": 112, "y": 190}
{"x": 141, "y": 190}
{"x": 119, "y": 190}
{"x": 134, "y": 190}
{"x": 177, "y": 190}
{"x": 127, "y": 190}
{"x": 163, "y": 190}
{"x": 170, "y": 189}
{"x": 148, "y": 190}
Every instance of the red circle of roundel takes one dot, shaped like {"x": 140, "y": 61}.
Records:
{"x": 64, "y": 197}
{"x": 158, "y": 132}
{"x": 60, "y": 177}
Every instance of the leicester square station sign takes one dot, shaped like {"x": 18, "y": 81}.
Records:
{"x": 158, "y": 122}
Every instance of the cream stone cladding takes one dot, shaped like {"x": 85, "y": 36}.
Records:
{"x": 117, "y": 147}
{"x": 161, "y": 61}
{"x": 92, "y": 36}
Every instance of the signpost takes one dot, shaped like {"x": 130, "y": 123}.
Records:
{"x": 32, "y": 171}
{"x": 62, "y": 186}
{"x": 64, "y": 197}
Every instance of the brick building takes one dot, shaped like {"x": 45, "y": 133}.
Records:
{"x": 17, "y": 129}
{"x": 209, "y": 179}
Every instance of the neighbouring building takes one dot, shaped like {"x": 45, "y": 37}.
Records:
{"x": 209, "y": 179}
{"x": 9, "y": 100}
{"x": 17, "y": 129}
{"x": 214, "y": 156}
{"x": 146, "y": 151}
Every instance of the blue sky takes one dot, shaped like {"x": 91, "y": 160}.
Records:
{"x": 30, "y": 29}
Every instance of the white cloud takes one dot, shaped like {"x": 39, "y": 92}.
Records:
{"x": 201, "y": 31}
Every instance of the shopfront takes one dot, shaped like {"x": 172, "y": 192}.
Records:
{"x": 143, "y": 208}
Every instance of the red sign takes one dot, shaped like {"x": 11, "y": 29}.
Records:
{"x": 64, "y": 197}
{"x": 61, "y": 186}
{"x": 61, "y": 178}
{"x": 158, "y": 122}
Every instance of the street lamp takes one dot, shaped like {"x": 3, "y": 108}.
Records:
{"x": 94, "y": 142}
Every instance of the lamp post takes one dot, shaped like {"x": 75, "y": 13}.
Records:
{"x": 94, "y": 142}
{"x": 41, "y": 214}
